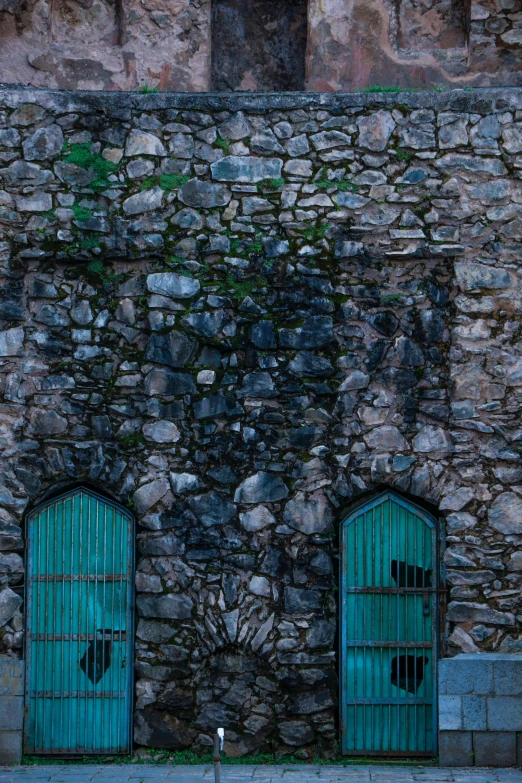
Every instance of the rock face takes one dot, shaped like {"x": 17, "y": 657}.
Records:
{"x": 240, "y": 343}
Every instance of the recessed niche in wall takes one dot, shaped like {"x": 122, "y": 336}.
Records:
{"x": 425, "y": 25}
{"x": 258, "y": 45}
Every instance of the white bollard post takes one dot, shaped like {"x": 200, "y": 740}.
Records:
{"x": 219, "y": 741}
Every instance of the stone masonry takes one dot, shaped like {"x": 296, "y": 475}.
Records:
{"x": 235, "y": 45}
{"x": 236, "y": 316}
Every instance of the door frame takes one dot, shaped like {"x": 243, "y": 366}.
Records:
{"x": 130, "y": 616}
{"x": 360, "y": 507}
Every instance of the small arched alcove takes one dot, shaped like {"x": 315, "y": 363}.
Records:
{"x": 389, "y": 620}
{"x": 79, "y": 626}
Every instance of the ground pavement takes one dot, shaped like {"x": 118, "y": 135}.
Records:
{"x": 142, "y": 773}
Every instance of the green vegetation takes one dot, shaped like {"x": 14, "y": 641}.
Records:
{"x": 146, "y": 89}
{"x": 167, "y": 182}
{"x": 314, "y": 233}
{"x": 376, "y": 88}
{"x": 403, "y": 155}
{"x": 88, "y": 242}
{"x": 271, "y": 184}
{"x": 188, "y": 757}
{"x": 223, "y": 145}
{"x": 81, "y": 213}
{"x": 97, "y": 273}
{"x": 238, "y": 289}
{"x": 343, "y": 185}
{"x": 391, "y": 298}
{"x": 81, "y": 155}
{"x": 132, "y": 441}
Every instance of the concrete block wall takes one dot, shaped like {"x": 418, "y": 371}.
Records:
{"x": 12, "y": 711}
{"x": 480, "y": 710}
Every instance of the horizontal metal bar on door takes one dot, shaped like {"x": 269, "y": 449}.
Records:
{"x": 79, "y": 578}
{"x": 392, "y": 753}
{"x": 378, "y": 643}
{"x": 404, "y": 701}
{"x": 115, "y": 636}
{"x": 393, "y": 590}
{"x": 80, "y": 751}
{"x": 77, "y": 694}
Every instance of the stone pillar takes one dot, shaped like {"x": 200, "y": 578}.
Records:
{"x": 480, "y": 710}
{"x": 11, "y": 709}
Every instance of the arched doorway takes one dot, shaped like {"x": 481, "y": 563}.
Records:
{"x": 389, "y": 621}
{"x": 79, "y": 621}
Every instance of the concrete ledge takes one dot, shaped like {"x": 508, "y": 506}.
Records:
{"x": 118, "y": 104}
{"x": 11, "y": 709}
{"x": 495, "y": 748}
{"x": 456, "y": 748}
{"x": 10, "y": 747}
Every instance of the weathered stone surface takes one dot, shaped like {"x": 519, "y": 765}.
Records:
{"x": 146, "y": 201}
{"x": 256, "y": 519}
{"x": 302, "y": 600}
{"x": 173, "y": 349}
{"x": 261, "y": 488}
{"x": 295, "y": 733}
{"x": 10, "y": 602}
{"x": 44, "y": 144}
{"x": 314, "y": 333}
{"x": 459, "y": 611}
{"x": 471, "y": 276}
{"x": 306, "y": 363}
{"x": 142, "y": 143}
{"x": 212, "y": 509}
{"x": 386, "y": 438}
{"x": 505, "y": 513}
{"x": 43, "y": 422}
{"x": 170, "y": 607}
{"x": 149, "y": 494}
{"x": 162, "y": 381}
{"x": 12, "y": 342}
{"x": 246, "y": 169}
{"x": 432, "y": 439}
{"x": 162, "y": 432}
{"x": 242, "y": 369}
{"x": 172, "y": 284}
{"x": 199, "y": 193}
{"x": 375, "y": 130}
{"x": 308, "y": 514}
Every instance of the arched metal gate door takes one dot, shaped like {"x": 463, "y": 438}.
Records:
{"x": 79, "y": 640}
{"x": 389, "y": 616}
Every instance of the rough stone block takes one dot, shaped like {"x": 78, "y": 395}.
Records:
{"x": 10, "y": 747}
{"x": 11, "y": 713}
{"x": 504, "y": 713}
{"x": 450, "y": 713}
{"x": 495, "y": 748}
{"x": 464, "y": 674}
{"x": 455, "y": 748}
{"x": 11, "y": 677}
{"x": 474, "y": 713}
{"x": 507, "y": 675}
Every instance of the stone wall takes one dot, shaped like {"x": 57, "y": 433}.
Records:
{"x": 480, "y": 715}
{"x": 320, "y": 45}
{"x": 239, "y": 315}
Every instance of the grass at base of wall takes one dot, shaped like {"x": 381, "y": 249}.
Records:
{"x": 188, "y": 757}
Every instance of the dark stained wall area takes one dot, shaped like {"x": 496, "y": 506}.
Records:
{"x": 258, "y": 44}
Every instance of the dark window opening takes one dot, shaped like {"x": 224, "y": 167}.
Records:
{"x": 258, "y": 45}
{"x": 407, "y": 671}
{"x": 406, "y": 575}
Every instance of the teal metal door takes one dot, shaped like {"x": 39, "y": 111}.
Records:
{"x": 79, "y": 653}
{"x": 389, "y": 630}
